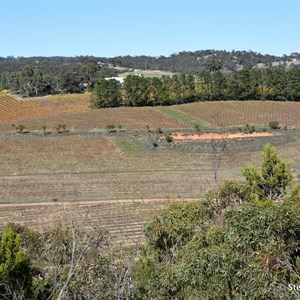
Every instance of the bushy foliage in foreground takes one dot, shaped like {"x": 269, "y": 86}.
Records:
{"x": 242, "y": 245}
{"x": 66, "y": 262}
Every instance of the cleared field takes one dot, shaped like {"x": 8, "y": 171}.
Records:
{"x": 148, "y": 73}
{"x": 85, "y": 167}
{"x": 233, "y": 113}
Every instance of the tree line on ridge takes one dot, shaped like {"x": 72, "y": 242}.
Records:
{"x": 246, "y": 84}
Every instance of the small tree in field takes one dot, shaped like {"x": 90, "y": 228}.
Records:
{"x": 20, "y": 128}
{"x": 218, "y": 150}
{"x": 273, "y": 179}
{"x": 60, "y": 128}
{"x": 111, "y": 128}
{"x": 197, "y": 127}
{"x": 169, "y": 138}
{"x": 274, "y": 125}
{"x": 44, "y": 129}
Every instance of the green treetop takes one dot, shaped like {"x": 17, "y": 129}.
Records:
{"x": 273, "y": 179}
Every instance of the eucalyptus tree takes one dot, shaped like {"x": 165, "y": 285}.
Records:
{"x": 135, "y": 89}
{"x": 107, "y": 93}
{"x": 248, "y": 250}
{"x": 275, "y": 176}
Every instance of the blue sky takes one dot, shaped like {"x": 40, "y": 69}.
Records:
{"x": 121, "y": 27}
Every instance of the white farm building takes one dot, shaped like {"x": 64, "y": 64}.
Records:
{"x": 120, "y": 79}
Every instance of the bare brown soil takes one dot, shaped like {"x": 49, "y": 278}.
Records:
{"x": 210, "y": 136}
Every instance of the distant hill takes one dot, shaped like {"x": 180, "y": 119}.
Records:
{"x": 38, "y": 76}
{"x": 193, "y": 62}
{"x": 182, "y": 62}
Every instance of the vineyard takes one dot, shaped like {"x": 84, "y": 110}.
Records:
{"x": 43, "y": 168}
{"x": 123, "y": 219}
{"x": 18, "y": 110}
{"x": 125, "y": 117}
{"x": 63, "y": 103}
{"x": 233, "y": 113}
{"x": 15, "y": 110}
{"x": 74, "y": 112}
{"x": 119, "y": 180}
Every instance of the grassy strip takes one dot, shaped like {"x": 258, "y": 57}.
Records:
{"x": 131, "y": 145}
{"x": 183, "y": 117}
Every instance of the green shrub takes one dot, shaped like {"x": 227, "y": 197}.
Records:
{"x": 159, "y": 130}
{"x": 197, "y": 127}
{"x": 111, "y": 128}
{"x": 44, "y": 128}
{"x": 60, "y": 128}
{"x": 20, "y": 128}
{"x": 248, "y": 129}
{"x": 169, "y": 138}
{"x": 274, "y": 125}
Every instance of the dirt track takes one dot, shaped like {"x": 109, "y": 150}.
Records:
{"x": 210, "y": 136}
{"x": 94, "y": 202}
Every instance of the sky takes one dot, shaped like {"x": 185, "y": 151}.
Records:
{"x": 108, "y": 28}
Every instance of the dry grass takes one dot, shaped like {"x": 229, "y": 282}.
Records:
{"x": 64, "y": 103}
{"x": 148, "y": 73}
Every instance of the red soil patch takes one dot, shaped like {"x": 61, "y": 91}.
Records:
{"x": 210, "y": 136}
